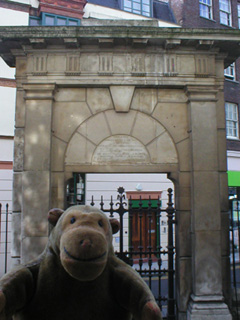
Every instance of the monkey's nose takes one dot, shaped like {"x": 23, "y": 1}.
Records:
{"x": 85, "y": 243}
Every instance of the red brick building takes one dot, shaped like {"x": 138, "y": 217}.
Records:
{"x": 220, "y": 14}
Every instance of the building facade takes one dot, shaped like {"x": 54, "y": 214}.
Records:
{"x": 107, "y": 97}
{"x": 221, "y": 14}
{"x": 137, "y": 100}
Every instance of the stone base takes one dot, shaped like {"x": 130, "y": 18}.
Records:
{"x": 208, "y": 308}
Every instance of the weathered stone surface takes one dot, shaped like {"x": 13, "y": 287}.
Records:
{"x": 67, "y": 117}
{"x": 79, "y": 150}
{"x": 144, "y": 100}
{"x": 120, "y": 63}
{"x": 223, "y": 185}
{"x": 20, "y": 109}
{"x": 89, "y": 62}
{"x": 16, "y": 235}
{"x": 183, "y": 150}
{"x": 222, "y": 150}
{"x": 154, "y": 63}
{"x": 207, "y": 276}
{"x": 225, "y": 241}
{"x": 95, "y": 129}
{"x": 18, "y": 149}
{"x": 184, "y": 233}
{"x": 58, "y": 154}
{"x": 120, "y": 123}
{"x": 146, "y": 129}
{"x": 21, "y": 66}
{"x": 99, "y": 99}
{"x": 185, "y": 282}
{"x": 221, "y": 116}
{"x": 174, "y": 117}
{"x": 226, "y": 276}
{"x": 209, "y": 308}
{"x": 56, "y": 62}
{"x": 122, "y": 97}
{"x": 37, "y": 135}
{"x": 183, "y": 196}
{"x": 70, "y": 95}
{"x": 206, "y": 201}
{"x": 17, "y": 192}
{"x": 58, "y": 188}
{"x": 186, "y": 65}
{"x": 203, "y": 128}
{"x": 171, "y": 95}
{"x": 36, "y": 188}
{"x": 162, "y": 150}
{"x": 32, "y": 247}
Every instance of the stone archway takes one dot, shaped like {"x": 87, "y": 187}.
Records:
{"x": 55, "y": 102}
{"x": 124, "y": 139}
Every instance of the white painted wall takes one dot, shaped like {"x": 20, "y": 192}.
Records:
{"x": 6, "y": 178}
{"x": 33, "y": 3}
{"x": 107, "y": 184}
{"x": 6, "y": 147}
{"x": 100, "y": 12}
{"x": 7, "y": 110}
{"x": 6, "y": 71}
{"x": 233, "y": 160}
{"x": 13, "y": 17}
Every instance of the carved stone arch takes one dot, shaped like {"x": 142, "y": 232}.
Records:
{"x": 141, "y": 138}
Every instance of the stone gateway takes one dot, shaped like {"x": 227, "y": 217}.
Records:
{"x": 154, "y": 93}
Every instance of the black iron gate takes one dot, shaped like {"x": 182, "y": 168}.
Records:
{"x": 153, "y": 260}
{"x": 234, "y": 206}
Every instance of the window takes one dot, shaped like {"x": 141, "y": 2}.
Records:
{"x": 205, "y": 7}
{"x": 53, "y": 20}
{"x": 225, "y": 12}
{"x": 229, "y": 72}
{"x": 34, "y": 21}
{"x": 137, "y": 6}
{"x": 231, "y": 110}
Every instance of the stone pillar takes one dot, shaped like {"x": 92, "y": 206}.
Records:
{"x": 36, "y": 169}
{"x": 207, "y": 300}
{"x": 21, "y": 66}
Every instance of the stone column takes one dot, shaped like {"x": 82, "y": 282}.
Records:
{"x": 36, "y": 169}
{"x": 207, "y": 300}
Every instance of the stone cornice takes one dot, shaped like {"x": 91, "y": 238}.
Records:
{"x": 224, "y": 41}
{"x": 35, "y": 91}
{"x": 201, "y": 93}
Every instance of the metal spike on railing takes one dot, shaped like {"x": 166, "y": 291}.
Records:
{"x": 101, "y": 203}
{"x": 92, "y": 202}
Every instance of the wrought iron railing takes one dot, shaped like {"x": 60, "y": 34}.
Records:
{"x": 153, "y": 261}
{"x": 5, "y": 237}
{"x": 234, "y": 216}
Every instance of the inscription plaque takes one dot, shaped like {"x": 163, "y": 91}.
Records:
{"x": 121, "y": 149}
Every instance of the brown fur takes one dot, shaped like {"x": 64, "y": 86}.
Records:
{"x": 77, "y": 277}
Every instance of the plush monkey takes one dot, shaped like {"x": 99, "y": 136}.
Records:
{"x": 78, "y": 276}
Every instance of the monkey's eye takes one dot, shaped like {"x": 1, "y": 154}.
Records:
{"x": 100, "y": 223}
{"x": 73, "y": 219}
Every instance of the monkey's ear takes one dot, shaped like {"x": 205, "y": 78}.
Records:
{"x": 115, "y": 225}
{"x": 54, "y": 215}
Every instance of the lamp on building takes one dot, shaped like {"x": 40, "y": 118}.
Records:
{"x": 139, "y": 187}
